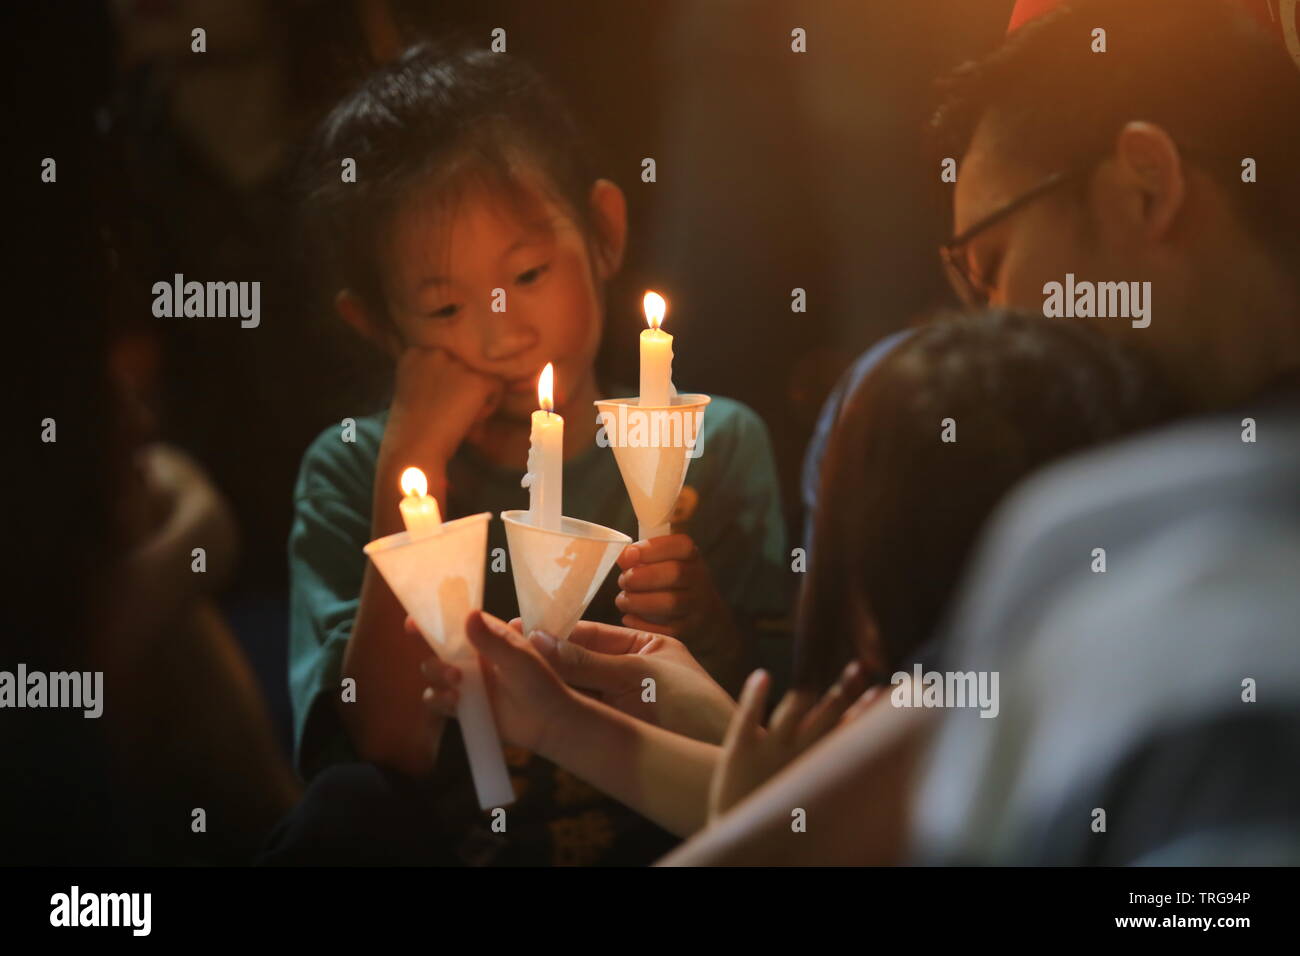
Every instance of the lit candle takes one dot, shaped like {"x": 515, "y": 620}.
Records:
{"x": 656, "y": 354}
{"x": 419, "y": 509}
{"x": 545, "y": 477}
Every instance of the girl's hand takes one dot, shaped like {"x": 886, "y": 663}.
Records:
{"x": 437, "y": 403}
{"x": 751, "y": 755}
{"x": 668, "y": 589}
{"x": 530, "y": 702}
{"x": 612, "y": 663}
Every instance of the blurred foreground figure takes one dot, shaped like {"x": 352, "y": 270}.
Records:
{"x": 1164, "y": 692}
{"x": 104, "y": 525}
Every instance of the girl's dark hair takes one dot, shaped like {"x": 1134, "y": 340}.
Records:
{"x": 900, "y": 508}
{"x": 447, "y": 116}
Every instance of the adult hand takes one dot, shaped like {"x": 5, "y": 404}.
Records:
{"x": 529, "y": 700}
{"x": 751, "y": 755}
{"x": 614, "y": 664}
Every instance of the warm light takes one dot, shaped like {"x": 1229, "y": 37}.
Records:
{"x": 655, "y": 309}
{"x": 414, "y": 483}
{"x": 546, "y": 388}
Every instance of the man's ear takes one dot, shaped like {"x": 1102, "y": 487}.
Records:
{"x": 1149, "y": 162}
{"x": 609, "y": 214}
{"x": 354, "y": 312}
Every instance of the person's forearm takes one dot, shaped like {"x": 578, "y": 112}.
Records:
{"x": 386, "y": 722}
{"x": 854, "y": 790}
{"x": 661, "y": 775}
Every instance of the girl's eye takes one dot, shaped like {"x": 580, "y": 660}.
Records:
{"x": 532, "y": 275}
{"x": 446, "y": 312}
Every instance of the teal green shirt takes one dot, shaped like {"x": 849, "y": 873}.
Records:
{"x": 733, "y": 515}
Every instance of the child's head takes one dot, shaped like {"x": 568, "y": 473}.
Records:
{"x": 905, "y": 491}
{"x": 471, "y": 177}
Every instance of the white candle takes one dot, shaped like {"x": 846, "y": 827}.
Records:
{"x": 545, "y": 476}
{"x": 656, "y": 354}
{"x": 419, "y": 509}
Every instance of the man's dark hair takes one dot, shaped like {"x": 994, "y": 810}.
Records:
{"x": 445, "y": 114}
{"x": 1203, "y": 70}
{"x": 900, "y": 508}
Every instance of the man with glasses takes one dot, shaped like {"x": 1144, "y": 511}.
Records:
{"x": 1131, "y": 165}
{"x": 1107, "y": 191}
{"x": 1072, "y": 162}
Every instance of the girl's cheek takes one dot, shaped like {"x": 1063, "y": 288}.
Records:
{"x": 423, "y": 333}
{"x": 577, "y": 328}
{"x": 579, "y": 311}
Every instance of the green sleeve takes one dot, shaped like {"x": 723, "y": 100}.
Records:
{"x": 740, "y": 530}
{"x": 326, "y": 564}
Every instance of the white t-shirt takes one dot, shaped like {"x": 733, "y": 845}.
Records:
{"x": 1159, "y": 698}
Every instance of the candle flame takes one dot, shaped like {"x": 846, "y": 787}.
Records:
{"x": 414, "y": 483}
{"x": 655, "y": 309}
{"x": 546, "y": 388}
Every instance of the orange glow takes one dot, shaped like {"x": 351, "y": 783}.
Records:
{"x": 546, "y": 388}
{"x": 655, "y": 309}
{"x": 414, "y": 483}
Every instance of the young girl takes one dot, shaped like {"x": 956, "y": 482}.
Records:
{"x": 471, "y": 187}
{"x": 901, "y": 511}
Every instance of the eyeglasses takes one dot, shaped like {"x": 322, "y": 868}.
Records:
{"x": 974, "y": 290}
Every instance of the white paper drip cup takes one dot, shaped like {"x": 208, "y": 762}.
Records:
{"x": 439, "y": 580}
{"x": 653, "y": 453}
{"x": 557, "y": 573}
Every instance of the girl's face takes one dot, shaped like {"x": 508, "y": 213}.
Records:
{"x": 504, "y": 287}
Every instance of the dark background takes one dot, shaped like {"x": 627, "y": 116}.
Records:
{"x": 775, "y": 170}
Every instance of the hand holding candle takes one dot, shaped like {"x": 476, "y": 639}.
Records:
{"x": 545, "y": 476}
{"x": 656, "y": 354}
{"x": 436, "y": 571}
{"x": 656, "y": 434}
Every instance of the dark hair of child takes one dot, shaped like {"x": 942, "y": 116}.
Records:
{"x": 902, "y": 507}
{"x": 438, "y": 118}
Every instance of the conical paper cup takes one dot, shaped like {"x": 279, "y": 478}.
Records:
{"x": 653, "y": 446}
{"x": 557, "y": 573}
{"x": 439, "y": 580}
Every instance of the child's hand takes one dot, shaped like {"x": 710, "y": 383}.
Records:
{"x": 751, "y": 755}
{"x": 613, "y": 662}
{"x": 668, "y": 589}
{"x": 529, "y": 700}
{"x": 438, "y": 401}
